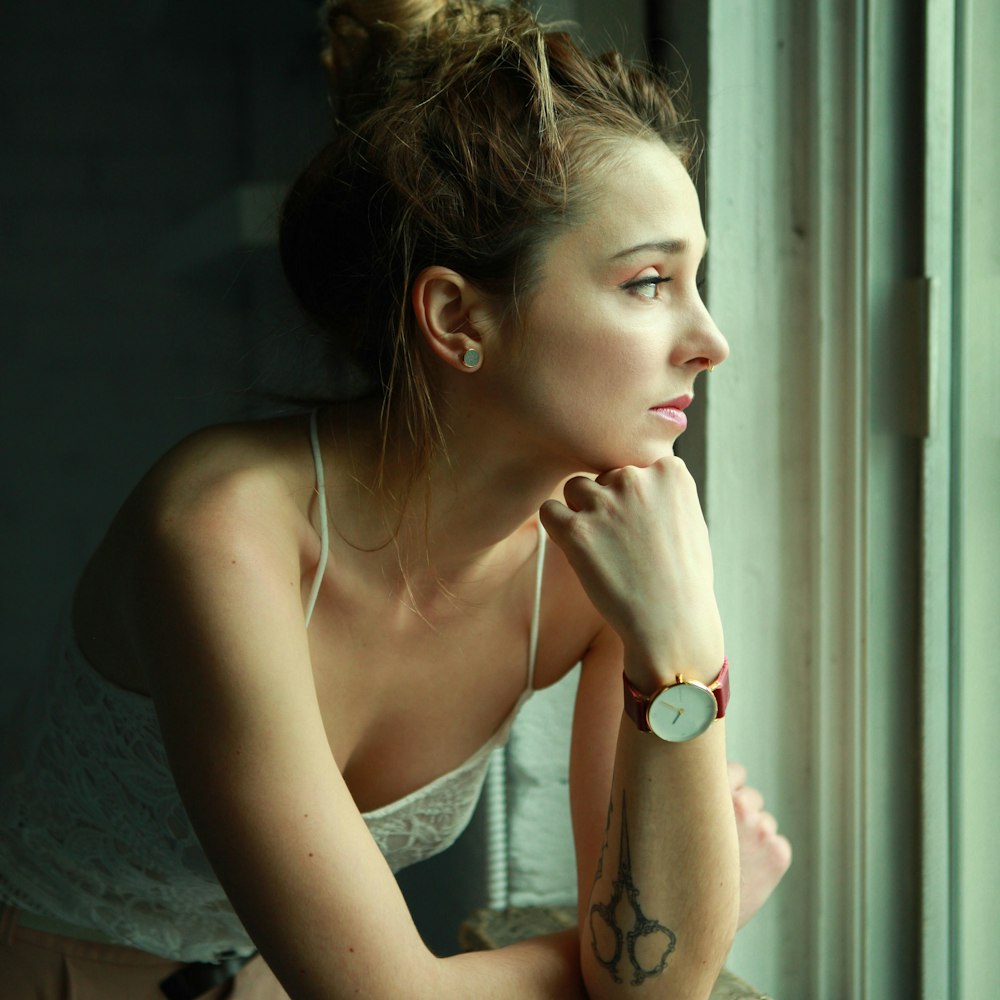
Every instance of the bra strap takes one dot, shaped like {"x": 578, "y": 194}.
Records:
{"x": 324, "y": 529}
{"x": 533, "y": 642}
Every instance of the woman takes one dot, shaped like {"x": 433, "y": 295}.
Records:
{"x": 288, "y": 660}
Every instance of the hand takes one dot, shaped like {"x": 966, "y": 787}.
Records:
{"x": 765, "y": 854}
{"x": 638, "y": 542}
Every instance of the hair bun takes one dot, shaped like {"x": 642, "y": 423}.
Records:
{"x": 360, "y": 32}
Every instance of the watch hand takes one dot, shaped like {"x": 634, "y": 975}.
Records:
{"x": 679, "y": 711}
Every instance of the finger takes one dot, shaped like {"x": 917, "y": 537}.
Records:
{"x": 581, "y": 493}
{"x": 737, "y": 775}
{"x": 611, "y": 477}
{"x": 747, "y": 801}
{"x": 623, "y": 477}
{"x": 782, "y": 848}
{"x": 767, "y": 824}
{"x": 554, "y": 516}
{"x": 557, "y": 520}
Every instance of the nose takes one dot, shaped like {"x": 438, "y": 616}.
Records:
{"x": 705, "y": 346}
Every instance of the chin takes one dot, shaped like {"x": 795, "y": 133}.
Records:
{"x": 650, "y": 452}
{"x": 639, "y": 451}
{"x": 649, "y": 460}
{"x": 639, "y": 458}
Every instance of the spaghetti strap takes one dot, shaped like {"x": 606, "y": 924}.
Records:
{"x": 324, "y": 529}
{"x": 533, "y": 642}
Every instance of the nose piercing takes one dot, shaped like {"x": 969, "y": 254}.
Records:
{"x": 711, "y": 366}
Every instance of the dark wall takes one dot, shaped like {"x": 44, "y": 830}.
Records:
{"x": 129, "y": 313}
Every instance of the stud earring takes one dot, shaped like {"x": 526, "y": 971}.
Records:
{"x": 471, "y": 358}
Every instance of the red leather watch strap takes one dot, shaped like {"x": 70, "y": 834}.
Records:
{"x": 637, "y": 703}
{"x": 720, "y": 688}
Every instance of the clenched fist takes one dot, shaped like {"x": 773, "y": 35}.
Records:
{"x": 638, "y": 541}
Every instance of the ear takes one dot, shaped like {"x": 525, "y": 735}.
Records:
{"x": 453, "y": 316}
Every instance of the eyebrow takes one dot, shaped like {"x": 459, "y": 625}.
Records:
{"x": 670, "y": 248}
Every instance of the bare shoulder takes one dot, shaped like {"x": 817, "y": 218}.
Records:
{"x": 234, "y": 467}
{"x": 235, "y": 495}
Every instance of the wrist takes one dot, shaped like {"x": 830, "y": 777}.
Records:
{"x": 649, "y": 672}
{"x": 679, "y": 710}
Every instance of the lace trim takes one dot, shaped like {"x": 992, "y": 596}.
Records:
{"x": 430, "y": 819}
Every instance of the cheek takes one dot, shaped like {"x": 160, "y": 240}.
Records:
{"x": 609, "y": 356}
{"x": 588, "y": 352}
{"x": 586, "y": 336}
{"x": 591, "y": 379}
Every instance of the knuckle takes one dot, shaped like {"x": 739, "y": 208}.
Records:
{"x": 672, "y": 465}
{"x": 628, "y": 476}
{"x": 747, "y": 802}
{"x": 783, "y": 851}
{"x": 576, "y": 531}
{"x": 768, "y": 824}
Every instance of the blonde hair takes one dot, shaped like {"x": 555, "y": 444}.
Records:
{"x": 465, "y": 136}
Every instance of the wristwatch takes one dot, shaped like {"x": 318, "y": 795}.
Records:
{"x": 680, "y": 711}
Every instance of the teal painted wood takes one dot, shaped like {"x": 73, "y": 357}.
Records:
{"x": 938, "y": 667}
{"x": 977, "y": 502}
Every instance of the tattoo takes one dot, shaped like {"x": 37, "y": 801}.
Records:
{"x": 603, "y": 919}
{"x": 604, "y": 846}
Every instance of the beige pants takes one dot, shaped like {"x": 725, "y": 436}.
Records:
{"x": 35, "y": 965}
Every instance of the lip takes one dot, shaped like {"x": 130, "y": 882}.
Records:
{"x": 680, "y": 403}
{"x": 673, "y": 411}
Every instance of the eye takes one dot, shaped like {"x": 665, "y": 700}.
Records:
{"x": 645, "y": 288}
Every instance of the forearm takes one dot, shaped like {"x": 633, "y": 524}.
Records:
{"x": 663, "y": 908}
{"x": 543, "y": 968}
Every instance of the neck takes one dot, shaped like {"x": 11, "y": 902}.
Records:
{"x": 453, "y": 528}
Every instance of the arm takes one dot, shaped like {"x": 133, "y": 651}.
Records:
{"x": 219, "y": 618}
{"x": 656, "y": 844}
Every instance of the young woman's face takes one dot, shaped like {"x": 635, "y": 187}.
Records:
{"x": 616, "y": 328}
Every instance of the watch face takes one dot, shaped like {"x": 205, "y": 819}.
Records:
{"x": 682, "y": 712}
